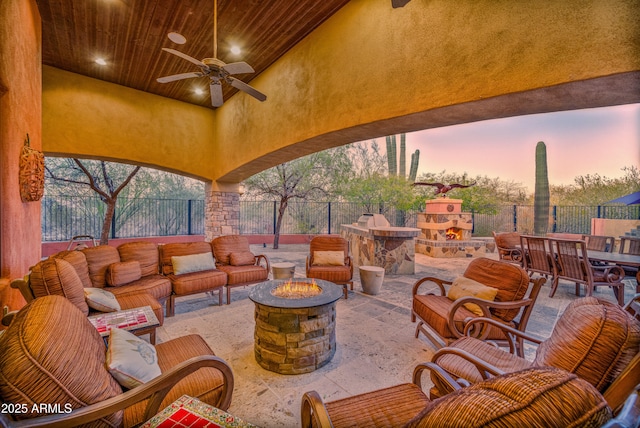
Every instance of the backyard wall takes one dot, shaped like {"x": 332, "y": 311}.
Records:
{"x": 613, "y": 227}
{"x": 20, "y": 114}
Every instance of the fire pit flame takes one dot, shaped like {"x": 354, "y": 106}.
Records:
{"x": 297, "y": 290}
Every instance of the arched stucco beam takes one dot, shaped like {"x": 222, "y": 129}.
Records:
{"x": 618, "y": 89}
{"x": 371, "y": 70}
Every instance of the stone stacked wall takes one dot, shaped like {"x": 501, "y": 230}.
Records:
{"x": 294, "y": 341}
{"x": 222, "y": 212}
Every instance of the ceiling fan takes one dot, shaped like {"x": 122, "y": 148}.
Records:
{"x": 216, "y": 70}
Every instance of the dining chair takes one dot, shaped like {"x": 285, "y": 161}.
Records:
{"x": 537, "y": 257}
{"x": 573, "y": 265}
{"x": 632, "y": 248}
{"x": 599, "y": 242}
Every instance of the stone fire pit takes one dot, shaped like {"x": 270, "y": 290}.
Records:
{"x": 297, "y": 334}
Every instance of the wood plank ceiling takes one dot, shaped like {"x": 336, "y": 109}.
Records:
{"x": 129, "y": 35}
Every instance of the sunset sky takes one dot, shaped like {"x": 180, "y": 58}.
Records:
{"x": 579, "y": 142}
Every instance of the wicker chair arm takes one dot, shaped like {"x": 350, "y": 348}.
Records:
{"x": 439, "y": 282}
{"x": 471, "y": 329}
{"x": 154, "y": 390}
{"x": 514, "y": 253}
{"x": 486, "y": 369}
{"x": 8, "y": 317}
{"x": 24, "y": 286}
{"x": 439, "y": 372}
{"x": 612, "y": 273}
{"x": 313, "y": 407}
{"x": 262, "y": 258}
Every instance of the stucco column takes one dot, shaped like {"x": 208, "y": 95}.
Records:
{"x": 222, "y": 210}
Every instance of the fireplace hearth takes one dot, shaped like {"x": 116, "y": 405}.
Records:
{"x": 295, "y": 329}
{"x": 445, "y": 231}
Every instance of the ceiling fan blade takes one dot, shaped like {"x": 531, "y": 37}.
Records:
{"x": 246, "y": 88}
{"x": 185, "y": 56}
{"x": 180, "y": 76}
{"x": 216, "y": 93}
{"x": 238, "y": 68}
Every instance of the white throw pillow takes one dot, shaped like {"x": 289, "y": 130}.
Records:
{"x": 101, "y": 300}
{"x": 131, "y": 360}
{"x": 192, "y": 263}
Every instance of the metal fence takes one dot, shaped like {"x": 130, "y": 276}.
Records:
{"x": 65, "y": 217}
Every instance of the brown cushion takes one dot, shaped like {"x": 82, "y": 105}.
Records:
{"x": 145, "y": 253}
{"x": 79, "y": 262}
{"x": 328, "y": 258}
{"x": 99, "y": 258}
{"x": 337, "y": 274}
{"x": 123, "y": 273}
{"x": 508, "y": 240}
{"x": 138, "y": 300}
{"x": 203, "y": 384}
{"x": 387, "y": 407}
{"x": 511, "y": 281}
{"x": 158, "y": 286}
{"x": 58, "y": 277}
{"x": 52, "y": 354}
{"x": 197, "y": 282}
{"x": 434, "y": 311}
{"x": 242, "y": 258}
{"x": 223, "y": 246}
{"x": 541, "y": 397}
{"x": 594, "y": 339}
{"x": 180, "y": 249}
{"x": 244, "y": 274}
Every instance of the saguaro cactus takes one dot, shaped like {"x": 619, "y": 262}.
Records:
{"x": 541, "y": 196}
{"x": 391, "y": 155}
{"x": 392, "y": 159}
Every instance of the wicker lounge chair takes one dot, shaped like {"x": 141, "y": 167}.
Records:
{"x": 514, "y": 400}
{"x": 442, "y": 319}
{"x": 321, "y": 265}
{"x": 52, "y": 354}
{"x": 537, "y": 257}
{"x": 595, "y": 339}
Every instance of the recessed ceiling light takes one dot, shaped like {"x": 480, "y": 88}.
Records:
{"x": 101, "y": 61}
{"x": 199, "y": 91}
{"x": 235, "y": 50}
{"x": 177, "y": 38}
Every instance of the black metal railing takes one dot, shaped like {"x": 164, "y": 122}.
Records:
{"x": 65, "y": 217}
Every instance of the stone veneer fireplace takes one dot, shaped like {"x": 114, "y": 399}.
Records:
{"x": 445, "y": 231}
{"x": 295, "y": 334}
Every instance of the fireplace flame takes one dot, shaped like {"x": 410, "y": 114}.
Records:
{"x": 297, "y": 289}
{"x": 454, "y": 234}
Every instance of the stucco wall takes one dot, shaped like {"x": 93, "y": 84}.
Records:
{"x": 91, "y": 118}
{"x": 20, "y": 114}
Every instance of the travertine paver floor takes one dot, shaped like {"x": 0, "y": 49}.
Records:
{"x": 376, "y": 346}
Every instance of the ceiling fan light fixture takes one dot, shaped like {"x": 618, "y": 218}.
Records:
{"x": 198, "y": 91}
{"x": 177, "y": 38}
{"x": 235, "y": 50}
{"x": 100, "y": 61}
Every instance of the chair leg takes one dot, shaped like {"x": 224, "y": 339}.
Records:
{"x": 220, "y": 296}
{"x": 228, "y": 295}
{"x": 554, "y": 285}
{"x": 345, "y": 289}
{"x": 171, "y": 301}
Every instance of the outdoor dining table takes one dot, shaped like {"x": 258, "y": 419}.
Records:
{"x": 631, "y": 260}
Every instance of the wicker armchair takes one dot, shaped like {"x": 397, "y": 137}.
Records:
{"x": 234, "y": 257}
{"x": 340, "y": 270}
{"x": 52, "y": 354}
{"x": 573, "y": 265}
{"x": 595, "y": 339}
{"x": 443, "y": 320}
{"x": 508, "y": 246}
{"x": 514, "y": 399}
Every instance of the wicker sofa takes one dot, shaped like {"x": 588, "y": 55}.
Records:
{"x": 52, "y": 354}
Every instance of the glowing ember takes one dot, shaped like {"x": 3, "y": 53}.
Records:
{"x": 297, "y": 290}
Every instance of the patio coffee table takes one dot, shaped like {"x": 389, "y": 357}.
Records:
{"x": 190, "y": 412}
{"x": 138, "y": 321}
